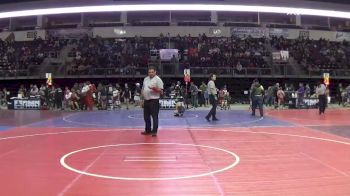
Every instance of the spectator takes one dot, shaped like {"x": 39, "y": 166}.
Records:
{"x": 239, "y": 67}
{"x": 301, "y": 94}
{"x": 34, "y": 91}
{"x": 307, "y": 90}
{"x": 269, "y": 98}
{"x": 137, "y": 95}
{"x": 204, "y": 100}
{"x": 22, "y": 91}
{"x": 194, "y": 94}
{"x": 339, "y": 93}
{"x": 58, "y": 98}
{"x": 280, "y": 95}
{"x": 126, "y": 94}
{"x": 2, "y": 97}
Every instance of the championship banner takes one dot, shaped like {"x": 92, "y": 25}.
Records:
{"x": 341, "y": 36}
{"x": 32, "y": 34}
{"x": 215, "y": 31}
{"x": 279, "y": 32}
{"x": 49, "y": 79}
{"x": 276, "y": 56}
{"x": 326, "y": 79}
{"x": 70, "y": 33}
{"x": 304, "y": 34}
{"x": 167, "y": 54}
{"x": 187, "y": 75}
{"x": 254, "y": 32}
{"x": 282, "y": 55}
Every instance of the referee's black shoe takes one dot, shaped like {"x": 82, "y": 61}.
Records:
{"x": 146, "y": 133}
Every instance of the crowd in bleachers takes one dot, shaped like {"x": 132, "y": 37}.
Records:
{"x": 203, "y": 51}
{"x": 91, "y": 56}
{"x": 315, "y": 55}
{"x": 17, "y": 57}
{"x": 123, "y": 56}
{"x": 117, "y": 55}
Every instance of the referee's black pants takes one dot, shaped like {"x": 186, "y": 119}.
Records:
{"x": 322, "y": 103}
{"x": 213, "y": 102}
{"x": 151, "y": 109}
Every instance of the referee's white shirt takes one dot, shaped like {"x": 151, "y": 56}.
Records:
{"x": 148, "y": 82}
{"x": 321, "y": 90}
{"x": 211, "y": 88}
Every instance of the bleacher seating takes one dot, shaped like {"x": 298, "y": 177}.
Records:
{"x": 97, "y": 56}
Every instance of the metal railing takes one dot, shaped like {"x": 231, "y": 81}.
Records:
{"x": 171, "y": 70}
{"x": 19, "y": 73}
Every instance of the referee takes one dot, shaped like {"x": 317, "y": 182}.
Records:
{"x": 152, "y": 89}
{"x": 322, "y": 99}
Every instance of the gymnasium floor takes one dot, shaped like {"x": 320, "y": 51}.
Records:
{"x": 289, "y": 152}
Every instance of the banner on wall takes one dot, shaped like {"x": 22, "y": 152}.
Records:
{"x": 326, "y": 79}
{"x": 167, "y": 54}
{"x": 242, "y": 32}
{"x": 304, "y": 34}
{"x": 276, "y": 56}
{"x": 49, "y": 79}
{"x": 70, "y": 33}
{"x": 215, "y": 31}
{"x": 6, "y": 36}
{"x": 342, "y": 36}
{"x": 279, "y": 32}
{"x": 31, "y": 34}
{"x": 282, "y": 55}
{"x": 187, "y": 75}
